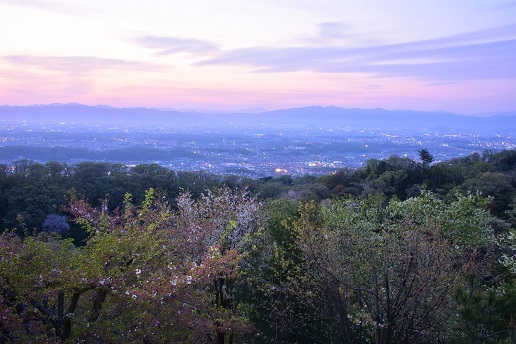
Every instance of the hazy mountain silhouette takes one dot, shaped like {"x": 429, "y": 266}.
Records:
{"x": 384, "y": 119}
{"x": 102, "y": 114}
{"x": 312, "y": 116}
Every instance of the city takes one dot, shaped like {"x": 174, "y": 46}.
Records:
{"x": 251, "y": 151}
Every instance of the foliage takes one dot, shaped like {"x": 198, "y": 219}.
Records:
{"x": 359, "y": 270}
{"x": 281, "y": 291}
{"x": 30, "y": 191}
{"x": 395, "y": 252}
{"x": 487, "y": 298}
{"x": 426, "y": 157}
{"x": 143, "y": 268}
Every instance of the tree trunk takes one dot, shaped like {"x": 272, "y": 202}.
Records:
{"x": 60, "y": 314}
{"x": 388, "y": 325}
{"x": 219, "y": 299}
{"x": 220, "y": 337}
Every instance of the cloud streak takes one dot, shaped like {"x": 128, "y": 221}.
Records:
{"x": 484, "y": 54}
{"x": 79, "y": 64}
{"x": 173, "y": 45}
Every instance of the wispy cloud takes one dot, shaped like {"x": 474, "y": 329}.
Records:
{"x": 331, "y": 33}
{"x": 481, "y": 54}
{"x": 173, "y": 45}
{"x": 79, "y": 64}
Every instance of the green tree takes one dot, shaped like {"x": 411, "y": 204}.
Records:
{"x": 388, "y": 273}
{"x": 282, "y": 294}
{"x": 499, "y": 186}
{"x": 426, "y": 157}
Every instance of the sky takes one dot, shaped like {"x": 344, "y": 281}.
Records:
{"x": 457, "y": 56}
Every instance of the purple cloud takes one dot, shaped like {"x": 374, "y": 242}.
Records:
{"x": 482, "y": 54}
{"x": 172, "y": 45}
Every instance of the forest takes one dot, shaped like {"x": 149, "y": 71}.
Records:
{"x": 398, "y": 251}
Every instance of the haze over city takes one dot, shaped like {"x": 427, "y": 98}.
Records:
{"x": 455, "y": 56}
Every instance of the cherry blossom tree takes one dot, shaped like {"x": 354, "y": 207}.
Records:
{"x": 146, "y": 273}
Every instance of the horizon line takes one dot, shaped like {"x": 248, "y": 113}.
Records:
{"x": 259, "y": 109}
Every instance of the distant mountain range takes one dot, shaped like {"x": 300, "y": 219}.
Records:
{"x": 78, "y": 113}
{"x": 313, "y": 116}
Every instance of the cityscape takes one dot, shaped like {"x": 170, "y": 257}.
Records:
{"x": 251, "y": 151}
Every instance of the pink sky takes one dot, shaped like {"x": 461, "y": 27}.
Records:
{"x": 457, "y": 56}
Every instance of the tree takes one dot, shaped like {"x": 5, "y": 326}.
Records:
{"x": 143, "y": 268}
{"x": 501, "y": 187}
{"x": 388, "y": 272}
{"x": 487, "y": 298}
{"x": 227, "y": 219}
{"x": 426, "y": 157}
{"x": 183, "y": 263}
{"x": 36, "y": 275}
{"x": 282, "y": 294}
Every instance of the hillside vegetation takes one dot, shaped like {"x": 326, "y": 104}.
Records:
{"x": 398, "y": 251}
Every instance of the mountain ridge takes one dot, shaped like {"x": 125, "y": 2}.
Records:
{"x": 297, "y": 117}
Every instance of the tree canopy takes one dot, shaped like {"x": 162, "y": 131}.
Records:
{"x": 395, "y": 252}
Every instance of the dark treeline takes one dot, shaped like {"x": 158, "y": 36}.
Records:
{"x": 30, "y": 191}
{"x": 399, "y": 251}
